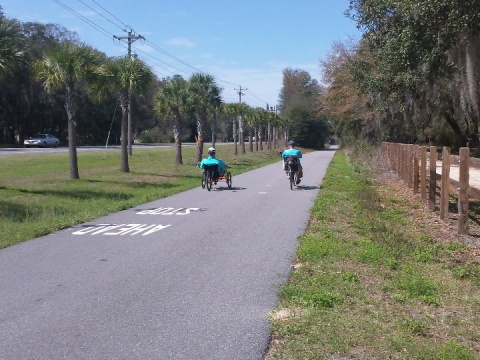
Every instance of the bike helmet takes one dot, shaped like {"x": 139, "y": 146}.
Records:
{"x": 291, "y": 142}
{"x": 211, "y": 150}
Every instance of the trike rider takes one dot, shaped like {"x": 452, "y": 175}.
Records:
{"x": 291, "y": 151}
{"x": 212, "y": 160}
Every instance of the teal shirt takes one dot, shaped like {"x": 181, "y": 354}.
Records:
{"x": 212, "y": 161}
{"x": 292, "y": 152}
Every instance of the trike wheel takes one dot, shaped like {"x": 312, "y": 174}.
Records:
{"x": 229, "y": 180}
{"x": 204, "y": 179}
{"x": 209, "y": 181}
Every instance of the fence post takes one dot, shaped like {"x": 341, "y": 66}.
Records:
{"x": 433, "y": 178}
{"x": 423, "y": 172}
{"x": 400, "y": 170}
{"x": 444, "y": 191}
{"x": 409, "y": 165}
{"x": 399, "y": 160}
{"x": 463, "y": 197}
{"x": 416, "y": 154}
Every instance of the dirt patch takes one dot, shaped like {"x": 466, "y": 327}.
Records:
{"x": 440, "y": 230}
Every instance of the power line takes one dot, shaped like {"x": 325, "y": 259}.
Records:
{"x": 263, "y": 101}
{"x": 140, "y": 50}
{"x": 173, "y": 56}
{"x": 154, "y": 46}
{"x": 108, "y": 12}
{"x": 100, "y": 14}
{"x": 83, "y": 18}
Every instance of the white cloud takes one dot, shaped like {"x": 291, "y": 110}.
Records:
{"x": 178, "y": 41}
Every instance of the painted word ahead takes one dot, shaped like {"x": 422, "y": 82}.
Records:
{"x": 135, "y": 229}
{"x": 120, "y": 229}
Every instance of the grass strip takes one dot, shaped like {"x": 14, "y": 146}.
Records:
{"x": 37, "y": 197}
{"x": 371, "y": 281}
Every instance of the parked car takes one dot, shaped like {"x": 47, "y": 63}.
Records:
{"x": 41, "y": 140}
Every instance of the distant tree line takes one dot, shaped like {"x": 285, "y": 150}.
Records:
{"x": 413, "y": 77}
{"x": 51, "y": 82}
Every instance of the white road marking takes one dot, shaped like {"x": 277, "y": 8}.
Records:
{"x": 120, "y": 229}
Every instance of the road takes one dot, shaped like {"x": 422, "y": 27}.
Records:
{"x": 191, "y": 276}
{"x": 25, "y": 151}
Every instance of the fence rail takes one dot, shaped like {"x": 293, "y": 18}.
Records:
{"x": 417, "y": 166}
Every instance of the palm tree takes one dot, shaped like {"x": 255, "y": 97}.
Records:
{"x": 15, "y": 79}
{"x": 65, "y": 68}
{"x": 13, "y": 54}
{"x": 273, "y": 119}
{"x": 285, "y": 124}
{"x": 250, "y": 119}
{"x": 213, "y": 126}
{"x": 171, "y": 103}
{"x": 204, "y": 98}
{"x": 235, "y": 111}
{"x": 260, "y": 119}
{"x": 121, "y": 76}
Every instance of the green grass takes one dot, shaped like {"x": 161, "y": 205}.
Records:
{"x": 370, "y": 282}
{"x": 37, "y": 197}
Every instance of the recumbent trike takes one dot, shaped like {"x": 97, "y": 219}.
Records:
{"x": 211, "y": 176}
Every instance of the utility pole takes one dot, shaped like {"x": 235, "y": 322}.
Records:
{"x": 240, "y": 121}
{"x": 239, "y": 91}
{"x": 130, "y": 39}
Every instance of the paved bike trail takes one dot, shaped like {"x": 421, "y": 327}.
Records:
{"x": 191, "y": 276}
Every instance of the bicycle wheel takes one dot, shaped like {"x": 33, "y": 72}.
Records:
{"x": 229, "y": 180}
{"x": 209, "y": 181}
{"x": 292, "y": 180}
{"x": 204, "y": 179}
{"x": 295, "y": 178}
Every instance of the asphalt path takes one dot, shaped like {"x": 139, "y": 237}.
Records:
{"x": 191, "y": 276}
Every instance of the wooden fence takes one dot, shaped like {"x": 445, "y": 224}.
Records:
{"x": 417, "y": 166}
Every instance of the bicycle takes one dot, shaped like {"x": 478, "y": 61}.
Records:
{"x": 211, "y": 176}
{"x": 291, "y": 167}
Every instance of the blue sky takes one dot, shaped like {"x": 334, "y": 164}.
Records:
{"x": 241, "y": 43}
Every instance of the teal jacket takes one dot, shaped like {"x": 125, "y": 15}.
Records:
{"x": 212, "y": 161}
{"x": 292, "y": 152}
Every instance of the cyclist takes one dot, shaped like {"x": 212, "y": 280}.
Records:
{"x": 212, "y": 160}
{"x": 291, "y": 151}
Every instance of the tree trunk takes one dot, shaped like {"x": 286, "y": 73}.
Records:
{"x": 274, "y": 137}
{"x": 124, "y": 136}
{"x": 178, "y": 144}
{"x": 129, "y": 124}
{"x": 450, "y": 118}
{"x": 199, "y": 151}
{"x": 234, "y": 134}
{"x": 201, "y": 117}
{"x": 240, "y": 134}
{"x": 471, "y": 74}
{"x": 72, "y": 134}
{"x": 471, "y": 69}
{"x": 213, "y": 126}
{"x": 250, "y": 140}
{"x": 259, "y": 137}
{"x": 269, "y": 136}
